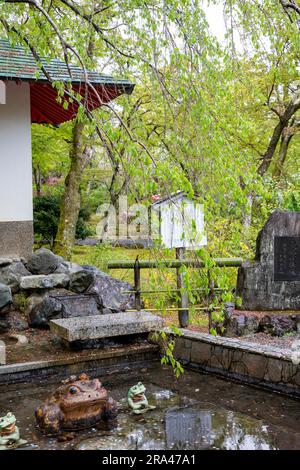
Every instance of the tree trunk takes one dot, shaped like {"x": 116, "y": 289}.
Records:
{"x": 284, "y": 119}
{"x": 284, "y": 145}
{"x": 38, "y": 180}
{"x": 70, "y": 205}
{"x": 247, "y": 217}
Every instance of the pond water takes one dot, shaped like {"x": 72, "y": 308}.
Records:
{"x": 197, "y": 411}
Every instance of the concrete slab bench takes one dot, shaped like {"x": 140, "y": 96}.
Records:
{"x": 105, "y": 326}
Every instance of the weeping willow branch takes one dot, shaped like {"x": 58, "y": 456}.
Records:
{"x": 291, "y": 7}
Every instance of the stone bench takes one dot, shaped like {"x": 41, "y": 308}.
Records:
{"x": 105, "y": 326}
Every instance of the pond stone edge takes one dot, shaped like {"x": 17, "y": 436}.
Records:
{"x": 250, "y": 363}
{"x": 92, "y": 363}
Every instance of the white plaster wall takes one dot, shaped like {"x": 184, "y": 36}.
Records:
{"x": 2, "y": 92}
{"x": 15, "y": 154}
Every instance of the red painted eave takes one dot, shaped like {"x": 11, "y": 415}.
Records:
{"x": 45, "y": 109}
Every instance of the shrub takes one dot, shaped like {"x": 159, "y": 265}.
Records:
{"x": 46, "y": 211}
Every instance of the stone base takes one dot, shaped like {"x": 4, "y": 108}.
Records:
{"x": 104, "y": 343}
{"x": 16, "y": 239}
{"x": 105, "y": 326}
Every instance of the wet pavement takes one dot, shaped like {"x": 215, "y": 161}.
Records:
{"x": 197, "y": 411}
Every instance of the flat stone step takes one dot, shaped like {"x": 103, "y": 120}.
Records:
{"x": 105, "y": 326}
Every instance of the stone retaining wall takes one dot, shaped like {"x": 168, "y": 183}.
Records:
{"x": 100, "y": 363}
{"x": 251, "y": 363}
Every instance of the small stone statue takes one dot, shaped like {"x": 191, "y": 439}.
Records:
{"x": 9, "y": 433}
{"x": 137, "y": 399}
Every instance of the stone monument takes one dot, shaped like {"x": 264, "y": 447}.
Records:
{"x": 272, "y": 280}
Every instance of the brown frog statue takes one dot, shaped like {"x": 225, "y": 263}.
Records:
{"x": 79, "y": 403}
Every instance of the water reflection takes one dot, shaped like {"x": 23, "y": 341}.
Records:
{"x": 188, "y": 429}
{"x": 183, "y": 428}
{"x": 191, "y": 428}
{"x": 178, "y": 422}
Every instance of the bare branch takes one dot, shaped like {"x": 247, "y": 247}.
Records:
{"x": 292, "y": 5}
{"x": 97, "y": 28}
{"x": 289, "y": 8}
{"x": 292, "y": 107}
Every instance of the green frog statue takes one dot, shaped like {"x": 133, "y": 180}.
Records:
{"x": 137, "y": 399}
{"x": 9, "y": 433}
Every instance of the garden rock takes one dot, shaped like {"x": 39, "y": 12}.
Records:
{"x": 12, "y": 321}
{"x": 62, "y": 269}
{"x": 33, "y": 303}
{"x": 66, "y": 267}
{"x": 278, "y": 325}
{"x": 129, "y": 243}
{"x": 43, "y": 261}
{"x": 11, "y": 275}
{"x": 59, "y": 303}
{"x": 41, "y": 308}
{"x": 241, "y": 325}
{"x": 88, "y": 242}
{"x": 89, "y": 267}
{"x": 81, "y": 280}
{"x": 21, "y": 340}
{"x": 5, "y": 295}
{"x": 44, "y": 282}
{"x": 5, "y": 262}
{"x": 110, "y": 292}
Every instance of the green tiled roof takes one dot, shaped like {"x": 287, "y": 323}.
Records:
{"x": 18, "y": 63}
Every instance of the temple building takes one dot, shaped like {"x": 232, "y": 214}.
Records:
{"x": 27, "y": 96}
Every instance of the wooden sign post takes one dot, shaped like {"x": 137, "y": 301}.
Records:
{"x": 183, "y": 303}
{"x": 181, "y": 226}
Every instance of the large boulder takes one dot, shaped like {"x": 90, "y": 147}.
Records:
{"x": 42, "y": 308}
{"x": 42, "y": 281}
{"x": 11, "y": 275}
{"x": 5, "y": 295}
{"x": 111, "y": 292}
{"x": 43, "y": 261}
{"x": 59, "y": 303}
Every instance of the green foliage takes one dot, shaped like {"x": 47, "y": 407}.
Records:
{"x": 168, "y": 351}
{"x": 46, "y": 210}
{"x": 200, "y": 119}
{"x": 46, "y": 217}
{"x": 50, "y": 149}
{"x": 83, "y": 230}
{"x": 292, "y": 201}
{"x": 21, "y": 302}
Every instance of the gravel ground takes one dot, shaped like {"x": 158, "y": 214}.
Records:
{"x": 44, "y": 345}
{"x": 280, "y": 342}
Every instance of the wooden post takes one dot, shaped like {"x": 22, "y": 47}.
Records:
{"x": 137, "y": 284}
{"x": 183, "y": 304}
{"x": 210, "y": 298}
